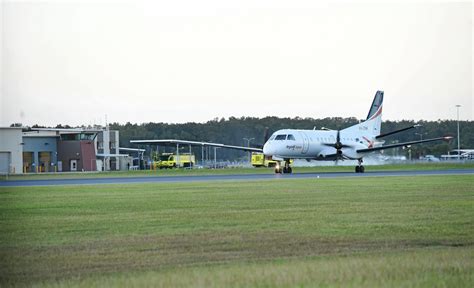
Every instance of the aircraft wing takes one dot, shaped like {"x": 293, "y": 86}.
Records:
{"x": 194, "y": 143}
{"x": 446, "y": 138}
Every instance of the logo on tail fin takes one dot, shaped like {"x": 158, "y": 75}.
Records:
{"x": 376, "y": 108}
{"x": 370, "y": 143}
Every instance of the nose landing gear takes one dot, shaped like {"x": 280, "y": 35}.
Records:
{"x": 285, "y": 169}
{"x": 359, "y": 168}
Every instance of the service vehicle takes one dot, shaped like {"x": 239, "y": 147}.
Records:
{"x": 171, "y": 160}
{"x": 259, "y": 160}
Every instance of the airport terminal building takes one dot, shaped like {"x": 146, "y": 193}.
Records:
{"x": 59, "y": 150}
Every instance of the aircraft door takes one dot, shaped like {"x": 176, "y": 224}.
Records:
{"x": 305, "y": 143}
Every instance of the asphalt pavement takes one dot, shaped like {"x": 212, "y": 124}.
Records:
{"x": 230, "y": 177}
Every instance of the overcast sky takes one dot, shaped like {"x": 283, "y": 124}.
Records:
{"x": 179, "y": 61}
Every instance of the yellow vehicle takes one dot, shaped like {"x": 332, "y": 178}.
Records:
{"x": 259, "y": 160}
{"x": 170, "y": 160}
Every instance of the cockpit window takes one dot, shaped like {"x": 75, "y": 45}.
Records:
{"x": 280, "y": 137}
{"x": 273, "y": 137}
{"x": 291, "y": 137}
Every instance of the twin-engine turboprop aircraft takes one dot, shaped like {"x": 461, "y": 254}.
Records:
{"x": 352, "y": 143}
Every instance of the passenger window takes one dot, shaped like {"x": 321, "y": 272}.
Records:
{"x": 291, "y": 137}
{"x": 280, "y": 137}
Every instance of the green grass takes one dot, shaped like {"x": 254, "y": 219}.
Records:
{"x": 191, "y": 172}
{"x": 446, "y": 267}
{"x": 394, "y": 231}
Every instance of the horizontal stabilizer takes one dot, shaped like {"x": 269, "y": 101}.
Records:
{"x": 397, "y": 131}
{"x": 446, "y": 138}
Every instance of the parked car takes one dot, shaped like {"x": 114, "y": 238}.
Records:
{"x": 429, "y": 158}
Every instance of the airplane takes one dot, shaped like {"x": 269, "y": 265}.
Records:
{"x": 352, "y": 143}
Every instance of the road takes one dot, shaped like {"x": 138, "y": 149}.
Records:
{"x": 236, "y": 177}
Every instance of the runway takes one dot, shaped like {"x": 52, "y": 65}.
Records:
{"x": 235, "y": 177}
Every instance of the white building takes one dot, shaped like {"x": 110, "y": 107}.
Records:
{"x": 107, "y": 150}
{"x": 11, "y": 150}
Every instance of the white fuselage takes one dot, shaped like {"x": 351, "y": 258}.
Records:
{"x": 315, "y": 144}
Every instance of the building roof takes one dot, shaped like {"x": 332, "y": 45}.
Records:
{"x": 132, "y": 149}
{"x": 40, "y": 134}
{"x": 68, "y": 130}
{"x": 193, "y": 143}
{"x": 11, "y": 128}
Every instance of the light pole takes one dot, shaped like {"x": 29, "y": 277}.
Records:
{"x": 421, "y": 135}
{"x": 202, "y": 155}
{"x": 459, "y": 152}
{"x": 248, "y": 141}
{"x": 215, "y": 157}
{"x": 248, "y": 145}
{"x": 421, "y": 139}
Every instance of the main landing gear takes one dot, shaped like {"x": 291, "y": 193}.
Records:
{"x": 359, "y": 168}
{"x": 285, "y": 169}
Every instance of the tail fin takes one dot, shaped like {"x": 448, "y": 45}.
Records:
{"x": 372, "y": 125}
{"x": 376, "y": 107}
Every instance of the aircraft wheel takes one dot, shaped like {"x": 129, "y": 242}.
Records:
{"x": 290, "y": 170}
{"x": 357, "y": 169}
{"x": 362, "y": 169}
{"x": 285, "y": 170}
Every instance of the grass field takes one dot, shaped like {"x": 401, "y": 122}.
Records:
{"x": 393, "y": 231}
{"x": 180, "y": 172}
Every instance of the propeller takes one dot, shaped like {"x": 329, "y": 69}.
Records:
{"x": 338, "y": 145}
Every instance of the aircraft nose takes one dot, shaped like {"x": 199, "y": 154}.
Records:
{"x": 267, "y": 149}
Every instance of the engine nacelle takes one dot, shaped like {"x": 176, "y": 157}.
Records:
{"x": 326, "y": 154}
{"x": 350, "y": 153}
